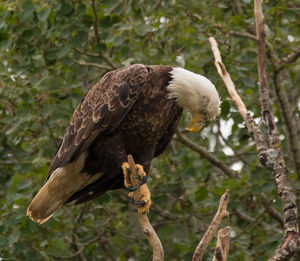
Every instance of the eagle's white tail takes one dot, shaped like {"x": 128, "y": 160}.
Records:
{"x": 62, "y": 184}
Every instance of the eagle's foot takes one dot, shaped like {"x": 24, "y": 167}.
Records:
{"x": 134, "y": 180}
{"x": 140, "y": 199}
{"x": 140, "y": 176}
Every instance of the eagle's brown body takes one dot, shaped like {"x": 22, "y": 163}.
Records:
{"x": 132, "y": 110}
{"x": 132, "y": 117}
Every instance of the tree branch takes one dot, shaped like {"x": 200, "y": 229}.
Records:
{"x": 290, "y": 58}
{"x": 157, "y": 5}
{"x": 223, "y": 241}
{"x": 250, "y": 219}
{"x": 210, "y": 232}
{"x": 268, "y": 148}
{"x": 272, "y": 211}
{"x": 263, "y": 89}
{"x": 280, "y": 78}
{"x": 205, "y": 154}
{"x": 274, "y": 161}
{"x": 87, "y": 53}
{"x": 158, "y": 252}
{"x": 101, "y": 55}
{"x": 100, "y": 66}
{"x": 226, "y": 78}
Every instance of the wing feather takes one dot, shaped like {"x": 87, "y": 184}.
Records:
{"x": 100, "y": 111}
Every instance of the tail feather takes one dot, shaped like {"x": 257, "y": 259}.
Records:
{"x": 44, "y": 205}
{"x": 62, "y": 184}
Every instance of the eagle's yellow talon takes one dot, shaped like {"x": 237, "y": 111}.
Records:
{"x": 140, "y": 197}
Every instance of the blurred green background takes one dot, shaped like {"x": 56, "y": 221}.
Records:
{"x": 52, "y": 52}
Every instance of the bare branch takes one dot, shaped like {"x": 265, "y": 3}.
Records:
{"x": 158, "y": 252}
{"x": 250, "y": 219}
{"x": 253, "y": 37}
{"x": 210, "y": 232}
{"x": 264, "y": 95}
{"x": 101, "y": 55}
{"x": 223, "y": 241}
{"x": 273, "y": 158}
{"x": 3, "y": 162}
{"x": 100, "y": 66}
{"x": 255, "y": 221}
{"x": 243, "y": 34}
{"x": 157, "y": 5}
{"x": 272, "y": 211}
{"x": 280, "y": 78}
{"x": 87, "y": 53}
{"x": 290, "y": 58}
{"x": 226, "y": 78}
{"x": 205, "y": 154}
{"x": 268, "y": 147}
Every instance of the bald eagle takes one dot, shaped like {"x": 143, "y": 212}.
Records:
{"x": 132, "y": 110}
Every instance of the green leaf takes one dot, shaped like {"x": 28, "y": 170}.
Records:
{"x": 43, "y": 15}
{"x": 51, "y": 54}
{"x": 63, "y": 51}
{"x": 25, "y": 183}
{"x": 225, "y": 108}
{"x": 3, "y": 241}
{"x": 58, "y": 245}
{"x": 13, "y": 238}
{"x": 202, "y": 193}
{"x": 27, "y": 11}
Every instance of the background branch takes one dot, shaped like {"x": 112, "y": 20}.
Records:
{"x": 281, "y": 81}
{"x": 101, "y": 55}
{"x": 205, "y": 154}
{"x": 93, "y": 65}
{"x": 290, "y": 58}
{"x": 210, "y": 232}
{"x": 269, "y": 151}
{"x": 223, "y": 241}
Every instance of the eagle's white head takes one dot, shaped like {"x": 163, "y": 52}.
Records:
{"x": 196, "y": 94}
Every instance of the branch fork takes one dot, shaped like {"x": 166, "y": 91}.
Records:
{"x": 268, "y": 146}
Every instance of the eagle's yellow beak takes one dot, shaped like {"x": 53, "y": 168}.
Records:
{"x": 197, "y": 123}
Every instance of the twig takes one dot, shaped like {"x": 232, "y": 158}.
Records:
{"x": 253, "y": 37}
{"x": 101, "y": 55}
{"x": 223, "y": 241}
{"x": 87, "y": 53}
{"x": 205, "y": 154}
{"x": 100, "y": 66}
{"x": 237, "y": 6}
{"x": 279, "y": 78}
{"x": 3, "y": 162}
{"x": 210, "y": 232}
{"x": 158, "y": 252}
{"x": 226, "y": 78}
{"x": 272, "y": 211}
{"x": 255, "y": 221}
{"x": 157, "y": 5}
{"x": 250, "y": 219}
{"x": 290, "y": 58}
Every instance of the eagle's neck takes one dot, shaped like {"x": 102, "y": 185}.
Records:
{"x": 194, "y": 92}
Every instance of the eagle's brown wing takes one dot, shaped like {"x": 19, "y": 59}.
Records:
{"x": 100, "y": 111}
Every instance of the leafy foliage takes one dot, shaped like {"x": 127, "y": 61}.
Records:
{"x": 52, "y": 52}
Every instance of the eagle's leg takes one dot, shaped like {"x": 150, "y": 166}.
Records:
{"x": 140, "y": 194}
